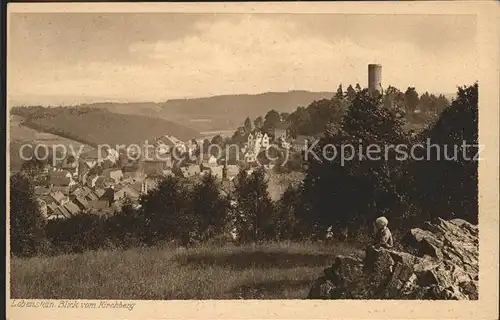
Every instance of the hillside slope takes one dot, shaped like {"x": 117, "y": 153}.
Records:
{"x": 218, "y": 112}
{"x": 21, "y": 135}
{"x": 98, "y": 126}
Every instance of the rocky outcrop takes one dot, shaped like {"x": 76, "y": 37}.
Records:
{"x": 443, "y": 265}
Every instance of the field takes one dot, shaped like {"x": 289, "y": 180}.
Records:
{"x": 270, "y": 271}
{"x": 20, "y": 135}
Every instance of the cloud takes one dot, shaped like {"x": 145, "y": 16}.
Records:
{"x": 249, "y": 55}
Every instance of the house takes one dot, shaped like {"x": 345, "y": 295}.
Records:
{"x": 115, "y": 174}
{"x": 112, "y": 155}
{"x": 72, "y": 208}
{"x": 281, "y": 131}
{"x": 99, "y": 192}
{"x": 250, "y": 141}
{"x": 117, "y": 206}
{"x": 61, "y": 178}
{"x": 64, "y": 190}
{"x": 265, "y": 141}
{"x": 284, "y": 143}
{"x": 58, "y": 212}
{"x": 91, "y": 180}
{"x": 268, "y": 166}
{"x": 43, "y": 193}
{"x": 50, "y": 209}
{"x": 108, "y": 195}
{"x": 209, "y": 160}
{"x": 104, "y": 182}
{"x": 126, "y": 192}
{"x": 133, "y": 176}
{"x": 232, "y": 171}
{"x": 100, "y": 207}
{"x": 90, "y": 196}
{"x": 92, "y": 157}
{"x": 77, "y": 192}
{"x": 191, "y": 146}
{"x": 173, "y": 142}
{"x": 168, "y": 173}
{"x": 150, "y": 183}
{"x": 301, "y": 142}
{"x": 97, "y": 156}
{"x": 59, "y": 198}
{"x": 217, "y": 171}
{"x": 190, "y": 171}
{"x": 137, "y": 186}
{"x": 82, "y": 203}
{"x": 71, "y": 164}
{"x": 107, "y": 163}
{"x": 250, "y": 157}
{"x": 154, "y": 167}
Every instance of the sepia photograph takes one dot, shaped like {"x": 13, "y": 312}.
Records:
{"x": 241, "y": 155}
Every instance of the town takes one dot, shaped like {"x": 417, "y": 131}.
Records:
{"x": 99, "y": 181}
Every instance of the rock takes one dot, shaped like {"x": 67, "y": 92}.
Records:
{"x": 334, "y": 284}
{"x": 322, "y": 289}
{"x": 444, "y": 266}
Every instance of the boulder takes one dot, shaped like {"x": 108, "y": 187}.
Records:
{"x": 444, "y": 266}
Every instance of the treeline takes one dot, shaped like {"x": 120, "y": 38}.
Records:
{"x": 176, "y": 211}
{"x": 413, "y": 178}
{"x": 432, "y": 174}
{"x": 313, "y": 119}
{"x": 39, "y": 112}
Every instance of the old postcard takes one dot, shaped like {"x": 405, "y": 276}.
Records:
{"x": 252, "y": 160}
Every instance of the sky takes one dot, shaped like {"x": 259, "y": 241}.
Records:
{"x": 69, "y": 58}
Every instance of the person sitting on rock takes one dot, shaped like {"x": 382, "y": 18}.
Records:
{"x": 383, "y": 236}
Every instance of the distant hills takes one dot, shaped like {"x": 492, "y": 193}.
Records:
{"x": 133, "y": 122}
{"x": 218, "y": 112}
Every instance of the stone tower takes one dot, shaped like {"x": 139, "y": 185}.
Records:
{"x": 375, "y": 78}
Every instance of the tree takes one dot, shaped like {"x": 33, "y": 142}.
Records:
{"x": 239, "y": 137}
{"x": 254, "y": 218}
{"x": 206, "y": 145}
{"x": 27, "y": 222}
{"x": 271, "y": 119}
{"x": 217, "y": 141}
{"x": 351, "y": 190}
{"x": 286, "y": 222}
{"x": 446, "y": 183}
{"x": 284, "y": 116}
{"x": 321, "y": 113}
{"x": 258, "y": 122}
{"x": 34, "y": 170}
{"x": 340, "y": 93}
{"x": 165, "y": 212}
{"x": 126, "y": 226}
{"x": 394, "y": 98}
{"x": 248, "y": 125}
{"x": 441, "y": 104}
{"x": 210, "y": 209}
{"x": 300, "y": 122}
{"x": 79, "y": 233}
{"x": 350, "y": 93}
{"x": 411, "y": 100}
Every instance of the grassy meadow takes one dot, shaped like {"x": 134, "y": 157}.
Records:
{"x": 267, "y": 271}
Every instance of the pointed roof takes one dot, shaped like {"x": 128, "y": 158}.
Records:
{"x": 58, "y": 196}
{"x": 72, "y": 208}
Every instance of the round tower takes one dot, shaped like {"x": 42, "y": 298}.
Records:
{"x": 375, "y": 78}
